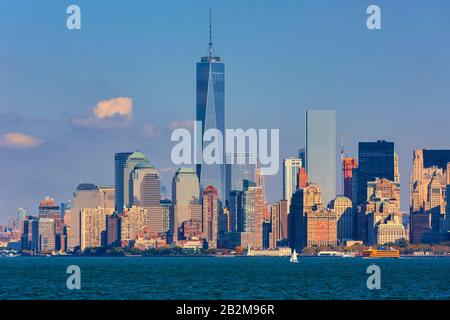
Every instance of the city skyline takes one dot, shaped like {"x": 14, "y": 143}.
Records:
{"x": 70, "y": 145}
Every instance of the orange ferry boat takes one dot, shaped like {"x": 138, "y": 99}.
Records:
{"x": 381, "y": 253}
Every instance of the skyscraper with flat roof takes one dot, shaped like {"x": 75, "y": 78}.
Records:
{"x": 376, "y": 160}
{"x": 211, "y": 113}
{"x": 321, "y": 151}
{"x": 291, "y": 169}
{"x": 120, "y": 160}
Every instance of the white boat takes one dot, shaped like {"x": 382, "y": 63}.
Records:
{"x": 294, "y": 258}
{"x": 329, "y": 254}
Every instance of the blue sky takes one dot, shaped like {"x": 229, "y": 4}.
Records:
{"x": 281, "y": 57}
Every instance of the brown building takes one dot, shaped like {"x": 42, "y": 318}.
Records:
{"x": 211, "y": 212}
{"x": 321, "y": 225}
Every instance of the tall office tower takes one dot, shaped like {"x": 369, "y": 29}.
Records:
{"x": 253, "y": 213}
{"x": 165, "y": 205}
{"x": 348, "y": 166}
{"x": 321, "y": 151}
{"x": 302, "y": 179}
{"x": 239, "y": 167}
{"x": 235, "y": 205}
{"x": 134, "y": 225}
{"x": 211, "y": 113}
{"x": 120, "y": 160}
{"x": 85, "y": 197}
{"x": 21, "y": 217}
{"x": 43, "y": 235}
{"x": 48, "y": 208}
{"x": 186, "y": 200}
{"x": 291, "y": 168}
{"x": 211, "y": 212}
{"x": 342, "y": 207}
{"x": 321, "y": 227}
{"x": 93, "y": 227}
{"x": 279, "y": 212}
{"x": 145, "y": 185}
{"x": 376, "y": 160}
{"x": 303, "y": 201}
{"x": 132, "y": 161}
{"x": 396, "y": 169}
{"x": 106, "y": 197}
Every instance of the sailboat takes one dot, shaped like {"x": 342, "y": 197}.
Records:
{"x": 294, "y": 257}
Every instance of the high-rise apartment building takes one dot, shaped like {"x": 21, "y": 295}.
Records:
{"x": 279, "y": 213}
{"x": 321, "y": 227}
{"x": 106, "y": 196}
{"x": 93, "y": 227}
{"x": 253, "y": 214}
{"x": 211, "y": 212}
{"x": 321, "y": 151}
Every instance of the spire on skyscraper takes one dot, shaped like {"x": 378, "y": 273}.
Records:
{"x": 210, "y": 51}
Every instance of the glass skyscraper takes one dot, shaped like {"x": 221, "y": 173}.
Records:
{"x": 211, "y": 112}
{"x": 120, "y": 160}
{"x": 239, "y": 167}
{"x": 376, "y": 160}
{"x": 321, "y": 151}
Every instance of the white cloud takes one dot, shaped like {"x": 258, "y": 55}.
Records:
{"x": 19, "y": 140}
{"x": 111, "y": 113}
{"x": 186, "y": 124}
{"x": 150, "y": 131}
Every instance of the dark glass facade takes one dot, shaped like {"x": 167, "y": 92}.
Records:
{"x": 437, "y": 158}
{"x": 376, "y": 160}
{"x": 120, "y": 159}
{"x": 211, "y": 112}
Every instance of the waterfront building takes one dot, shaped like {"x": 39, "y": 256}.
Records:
{"x": 253, "y": 213}
{"x": 134, "y": 224}
{"x": 390, "y": 232}
{"x": 343, "y": 208}
{"x": 192, "y": 230}
{"x": 120, "y": 160}
{"x": 321, "y": 151}
{"x": 303, "y": 200}
{"x": 211, "y": 113}
{"x": 21, "y": 217}
{"x": 321, "y": 226}
{"x": 291, "y": 169}
{"x": 93, "y": 227}
{"x": 43, "y": 235}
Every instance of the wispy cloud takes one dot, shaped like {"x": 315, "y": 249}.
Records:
{"x": 150, "y": 131}
{"x": 185, "y": 124}
{"x": 19, "y": 140}
{"x": 106, "y": 114}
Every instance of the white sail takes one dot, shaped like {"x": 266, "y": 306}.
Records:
{"x": 294, "y": 256}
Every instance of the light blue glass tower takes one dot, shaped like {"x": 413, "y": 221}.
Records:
{"x": 321, "y": 151}
{"x": 211, "y": 112}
